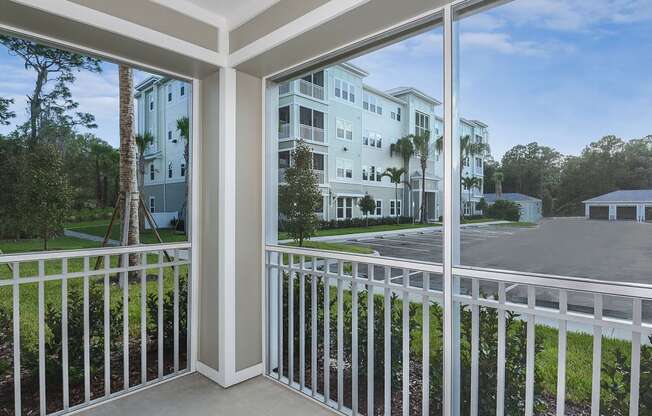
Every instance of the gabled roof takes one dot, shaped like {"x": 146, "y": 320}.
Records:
{"x": 632, "y": 195}
{"x": 354, "y": 69}
{"x": 147, "y": 83}
{"x": 411, "y": 90}
{"x": 510, "y": 196}
{"x": 383, "y": 94}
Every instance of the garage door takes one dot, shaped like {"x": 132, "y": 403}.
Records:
{"x": 626, "y": 213}
{"x": 599, "y": 213}
{"x": 648, "y": 214}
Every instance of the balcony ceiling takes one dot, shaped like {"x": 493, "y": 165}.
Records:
{"x": 233, "y": 12}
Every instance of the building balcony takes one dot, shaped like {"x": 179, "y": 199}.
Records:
{"x": 311, "y": 90}
{"x": 284, "y": 130}
{"x": 309, "y": 133}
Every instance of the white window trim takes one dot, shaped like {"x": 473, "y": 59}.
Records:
{"x": 347, "y": 127}
{"x": 345, "y": 165}
{"x": 393, "y": 205}
{"x": 376, "y": 214}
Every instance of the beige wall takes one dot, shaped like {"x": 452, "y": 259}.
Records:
{"x": 208, "y": 241}
{"x": 248, "y": 219}
{"x": 359, "y": 23}
{"x": 279, "y": 14}
{"x": 154, "y": 16}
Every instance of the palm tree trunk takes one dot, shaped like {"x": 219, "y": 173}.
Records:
{"x": 396, "y": 203}
{"x": 423, "y": 195}
{"x": 128, "y": 162}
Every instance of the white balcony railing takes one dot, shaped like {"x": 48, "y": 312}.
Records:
{"x": 284, "y": 130}
{"x": 321, "y": 342}
{"x": 87, "y": 326}
{"x": 310, "y": 133}
{"x": 310, "y": 89}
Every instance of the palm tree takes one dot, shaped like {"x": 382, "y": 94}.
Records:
{"x": 142, "y": 142}
{"x": 469, "y": 183}
{"x": 404, "y": 147}
{"x": 498, "y": 179}
{"x": 394, "y": 175}
{"x": 183, "y": 125}
{"x": 128, "y": 168}
{"x": 422, "y": 149}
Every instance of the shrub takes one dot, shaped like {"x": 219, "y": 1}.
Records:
{"x": 504, "y": 210}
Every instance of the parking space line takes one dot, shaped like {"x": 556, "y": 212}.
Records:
{"x": 390, "y": 247}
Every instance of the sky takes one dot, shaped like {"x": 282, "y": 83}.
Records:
{"x": 97, "y": 93}
{"x": 563, "y": 73}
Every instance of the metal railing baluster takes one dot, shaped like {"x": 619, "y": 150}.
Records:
{"x": 500, "y": 375}
{"x": 291, "y": 322}
{"x": 406, "y": 343}
{"x": 64, "y": 333}
{"x": 370, "y": 341}
{"x": 327, "y": 336}
{"x": 530, "y": 352}
{"x": 636, "y": 358}
{"x": 175, "y": 307}
{"x": 597, "y": 356}
{"x": 143, "y": 319}
{"x": 354, "y": 340}
{"x": 107, "y": 326}
{"x": 340, "y": 336}
{"x": 388, "y": 341}
{"x": 425, "y": 353}
{"x": 41, "y": 337}
{"x": 87, "y": 335}
{"x": 561, "y": 356}
{"x": 475, "y": 347}
{"x": 16, "y": 322}
{"x": 302, "y": 324}
{"x": 313, "y": 336}
{"x": 160, "y": 314}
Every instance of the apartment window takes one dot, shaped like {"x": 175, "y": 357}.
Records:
{"x": 478, "y": 162}
{"x": 152, "y": 204}
{"x": 344, "y": 90}
{"x": 372, "y": 173}
{"x": 372, "y": 103}
{"x": 313, "y": 85}
{"x": 421, "y": 124}
{"x": 169, "y": 90}
{"x": 395, "y": 208}
{"x": 170, "y": 170}
{"x": 310, "y": 117}
{"x": 379, "y": 108}
{"x": 393, "y": 115}
{"x": 152, "y": 172}
{"x": 344, "y": 129}
{"x": 284, "y": 88}
{"x": 151, "y": 103}
{"x": 465, "y": 161}
{"x": 365, "y": 101}
{"x": 365, "y": 173}
{"x": 379, "y": 208}
{"x": 398, "y": 113}
{"x": 183, "y": 170}
{"x": 169, "y": 134}
{"x": 344, "y": 169}
{"x": 284, "y": 122}
{"x": 344, "y": 208}
{"x": 284, "y": 159}
{"x": 318, "y": 161}
{"x": 372, "y": 139}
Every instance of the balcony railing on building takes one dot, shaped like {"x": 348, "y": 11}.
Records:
{"x": 311, "y": 133}
{"x": 363, "y": 335}
{"x": 87, "y": 326}
{"x": 310, "y": 89}
{"x": 284, "y": 131}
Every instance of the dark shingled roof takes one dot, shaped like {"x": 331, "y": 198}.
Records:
{"x": 510, "y": 196}
{"x": 633, "y": 195}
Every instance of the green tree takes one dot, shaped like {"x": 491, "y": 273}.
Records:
{"x": 498, "y": 178}
{"x": 470, "y": 182}
{"x": 5, "y": 114}
{"x": 142, "y": 142}
{"x": 394, "y": 175}
{"x": 404, "y": 147}
{"x": 367, "y": 205}
{"x": 482, "y": 205}
{"x": 300, "y": 197}
{"x": 11, "y": 160}
{"x": 531, "y": 169}
{"x": 422, "y": 149}
{"x": 51, "y": 103}
{"x": 45, "y": 192}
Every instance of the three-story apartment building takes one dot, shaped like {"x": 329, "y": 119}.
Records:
{"x": 351, "y": 126}
{"x": 161, "y": 102}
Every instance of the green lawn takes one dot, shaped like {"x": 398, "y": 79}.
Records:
{"x": 58, "y": 243}
{"x": 98, "y": 228}
{"x": 356, "y": 230}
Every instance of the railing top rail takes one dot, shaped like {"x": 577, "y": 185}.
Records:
{"x": 92, "y": 252}
{"x": 358, "y": 258}
{"x": 572, "y": 283}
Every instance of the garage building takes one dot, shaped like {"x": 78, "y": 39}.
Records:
{"x": 530, "y": 207}
{"x": 632, "y": 205}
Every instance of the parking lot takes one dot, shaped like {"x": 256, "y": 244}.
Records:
{"x": 603, "y": 250}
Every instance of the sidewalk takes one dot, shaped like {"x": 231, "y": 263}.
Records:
{"x": 407, "y": 231}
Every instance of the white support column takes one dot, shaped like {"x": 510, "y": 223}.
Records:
{"x": 226, "y": 225}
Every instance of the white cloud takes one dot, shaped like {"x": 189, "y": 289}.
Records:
{"x": 575, "y": 15}
{"x": 499, "y": 42}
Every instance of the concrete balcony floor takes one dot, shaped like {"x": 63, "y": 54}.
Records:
{"x": 195, "y": 395}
